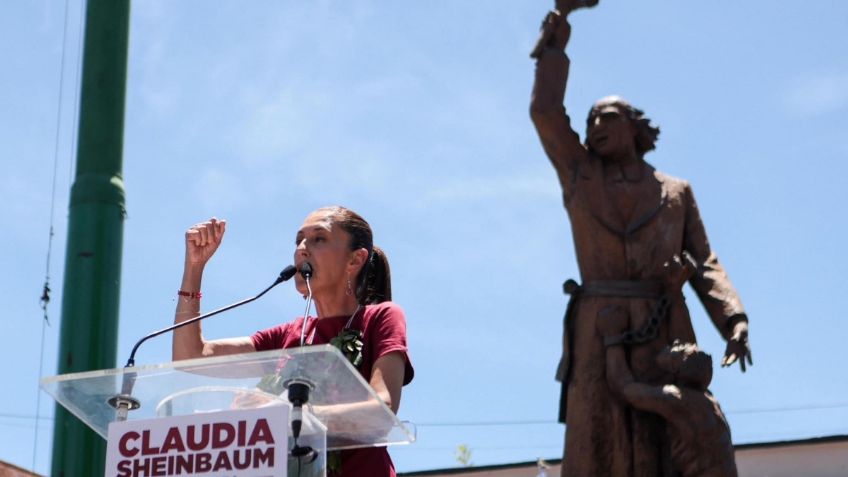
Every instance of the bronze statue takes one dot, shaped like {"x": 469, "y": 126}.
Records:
{"x": 629, "y": 221}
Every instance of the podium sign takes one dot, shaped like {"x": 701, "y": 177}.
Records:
{"x": 242, "y": 443}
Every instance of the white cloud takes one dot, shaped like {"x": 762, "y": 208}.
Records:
{"x": 814, "y": 95}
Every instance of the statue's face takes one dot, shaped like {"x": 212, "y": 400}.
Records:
{"x": 612, "y": 134}
{"x": 696, "y": 372}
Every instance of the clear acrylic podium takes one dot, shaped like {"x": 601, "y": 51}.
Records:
{"x": 343, "y": 411}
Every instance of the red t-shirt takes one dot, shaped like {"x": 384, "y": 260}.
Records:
{"x": 383, "y": 328}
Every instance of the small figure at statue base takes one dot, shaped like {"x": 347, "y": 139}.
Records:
{"x": 697, "y": 432}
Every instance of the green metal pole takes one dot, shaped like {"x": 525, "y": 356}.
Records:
{"x": 90, "y": 297}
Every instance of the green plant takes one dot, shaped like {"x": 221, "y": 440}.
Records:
{"x": 463, "y": 455}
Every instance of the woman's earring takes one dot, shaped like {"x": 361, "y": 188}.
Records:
{"x": 349, "y": 287}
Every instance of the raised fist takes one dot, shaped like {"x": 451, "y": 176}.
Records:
{"x": 202, "y": 240}
{"x": 554, "y": 33}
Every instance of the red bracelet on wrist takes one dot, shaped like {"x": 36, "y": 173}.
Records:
{"x": 196, "y": 294}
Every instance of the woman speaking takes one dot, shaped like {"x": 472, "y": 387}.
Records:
{"x": 351, "y": 289}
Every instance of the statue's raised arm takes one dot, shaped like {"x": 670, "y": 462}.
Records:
{"x": 561, "y": 143}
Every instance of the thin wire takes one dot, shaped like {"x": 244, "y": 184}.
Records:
{"x": 38, "y": 398}
{"x": 486, "y": 423}
{"x": 45, "y": 296}
{"x": 6, "y": 415}
{"x": 814, "y": 407}
{"x": 306, "y": 313}
{"x": 20, "y": 425}
{"x": 817, "y": 407}
{"x": 475, "y": 448}
{"x": 45, "y": 293}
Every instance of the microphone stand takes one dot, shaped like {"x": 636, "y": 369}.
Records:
{"x": 125, "y": 402}
{"x": 298, "y": 388}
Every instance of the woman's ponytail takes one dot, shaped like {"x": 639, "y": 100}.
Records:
{"x": 377, "y": 284}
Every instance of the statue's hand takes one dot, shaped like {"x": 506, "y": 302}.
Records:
{"x": 554, "y": 33}
{"x": 738, "y": 347}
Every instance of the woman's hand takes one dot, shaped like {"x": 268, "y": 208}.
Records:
{"x": 202, "y": 240}
{"x": 387, "y": 378}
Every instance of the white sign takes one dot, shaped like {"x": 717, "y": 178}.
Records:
{"x": 241, "y": 443}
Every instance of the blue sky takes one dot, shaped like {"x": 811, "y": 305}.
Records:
{"x": 415, "y": 115}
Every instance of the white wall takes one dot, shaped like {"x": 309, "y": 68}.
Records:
{"x": 799, "y": 460}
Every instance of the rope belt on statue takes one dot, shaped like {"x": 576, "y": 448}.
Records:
{"x": 648, "y": 289}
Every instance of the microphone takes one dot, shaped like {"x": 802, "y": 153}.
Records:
{"x": 306, "y": 270}
{"x": 306, "y": 273}
{"x": 124, "y": 401}
{"x": 286, "y": 274}
{"x": 298, "y": 393}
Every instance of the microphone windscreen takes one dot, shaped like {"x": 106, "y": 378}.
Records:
{"x": 306, "y": 270}
{"x": 287, "y": 273}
